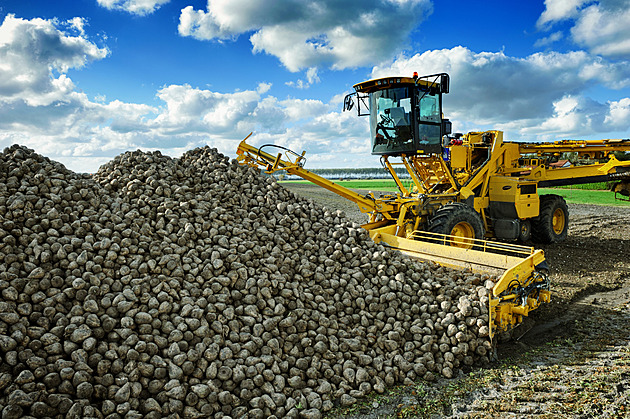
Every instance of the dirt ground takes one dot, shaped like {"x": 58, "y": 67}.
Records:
{"x": 571, "y": 359}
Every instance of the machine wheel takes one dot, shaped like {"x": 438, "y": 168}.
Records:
{"x": 526, "y": 231}
{"x": 459, "y": 220}
{"x": 552, "y": 223}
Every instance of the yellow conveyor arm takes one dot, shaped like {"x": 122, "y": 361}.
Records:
{"x": 292, "y": 163}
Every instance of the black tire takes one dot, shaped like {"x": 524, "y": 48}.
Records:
{"x": 526, "y": 231}
{"x": 457, "y": 219}
{"x": 552, "y": 223}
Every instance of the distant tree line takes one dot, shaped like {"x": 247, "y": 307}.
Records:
{"x": 381, "y": 173}
{"x": 360, "y": 173}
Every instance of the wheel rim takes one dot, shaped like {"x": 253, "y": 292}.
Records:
{"x": 464, "y": 234}
{"x": 525, "y": 230}
{"x": 558, "y": 221}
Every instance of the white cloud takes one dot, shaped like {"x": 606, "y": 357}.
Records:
{"x": 572, "y": 116}
{"x": 604, "y": 30}
{"x": 618, "y": 114}
{"x": 83, "y": 134}
{"x": 312, "y": 77}
{"x": 541, "y": 94}
{"x": 197, "y": 110}
{"x": 556, "y": 10}
{"x": 34, "y": 55}
{"x": 136, "y": 7}
{"x": 310, "y": 33}
{"x": 330, "y": 139}
{"x": 78, "y": 24}
{"x": 41, "y": 108}
{"x": 602, "y": 27}
{"x": 301, "y": 109}
{"x": 263, "y": 88}
{"x": 548, "y": 40}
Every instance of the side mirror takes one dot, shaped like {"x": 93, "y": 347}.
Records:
{"x": 447, "y": 127}
{"x": 348, "y": 102}
{"x": 362, "y": 99}
{"x": 444, "y": 82}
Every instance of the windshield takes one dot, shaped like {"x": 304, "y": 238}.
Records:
{"x": 390, "y": 120}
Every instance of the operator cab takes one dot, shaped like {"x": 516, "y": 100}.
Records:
{"x": 405, "y": 113}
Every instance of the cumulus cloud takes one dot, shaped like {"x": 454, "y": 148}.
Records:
{"x": 541, "y": 96}
{"x": 548, "y": 40}
{"x": 331, "y": 139}
{"x": 199, "y": 110}
{"x": 602, "y": 27}
{"x": 77, "y": 24}
{"x": 136, "y": 7}
{"x": 538, "y": 94}
{"x": 556, "y": 10}
{"x": 39, "y": 103}
{"x": 40, "y": 107}
{"x": 82, "y": 131}
{"x": 574, "y": 116}
{"x": 618, "y": 114}
{"x": 223, "y": 118}
{"x": 310, "y": 33}
{"x": 37, "y": 98}
{"x": 35, "y": 54}
{"x": 311, "y": 78}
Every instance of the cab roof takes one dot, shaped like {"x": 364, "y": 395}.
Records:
{"x": 389, "y": 82}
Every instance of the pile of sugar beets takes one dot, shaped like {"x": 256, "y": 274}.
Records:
{"x": 195, "y": 287}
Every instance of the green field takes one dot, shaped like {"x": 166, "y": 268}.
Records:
{"x": 579, "y": 194}
{"x": 585, "y": 196}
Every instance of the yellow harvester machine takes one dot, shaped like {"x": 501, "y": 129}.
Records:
{"x": 462, "y": 189}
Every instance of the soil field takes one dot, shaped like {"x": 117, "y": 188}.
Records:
{"x": 571, "y": 359}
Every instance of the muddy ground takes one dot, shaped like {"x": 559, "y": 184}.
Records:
{"x": 571, "y": 359}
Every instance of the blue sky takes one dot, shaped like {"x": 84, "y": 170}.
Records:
{"x": 83, "y": 81}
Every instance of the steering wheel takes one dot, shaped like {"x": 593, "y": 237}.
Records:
{"x": 386, "y": 120}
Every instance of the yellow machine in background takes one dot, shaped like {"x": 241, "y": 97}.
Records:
{"x": 464, "y": 188}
